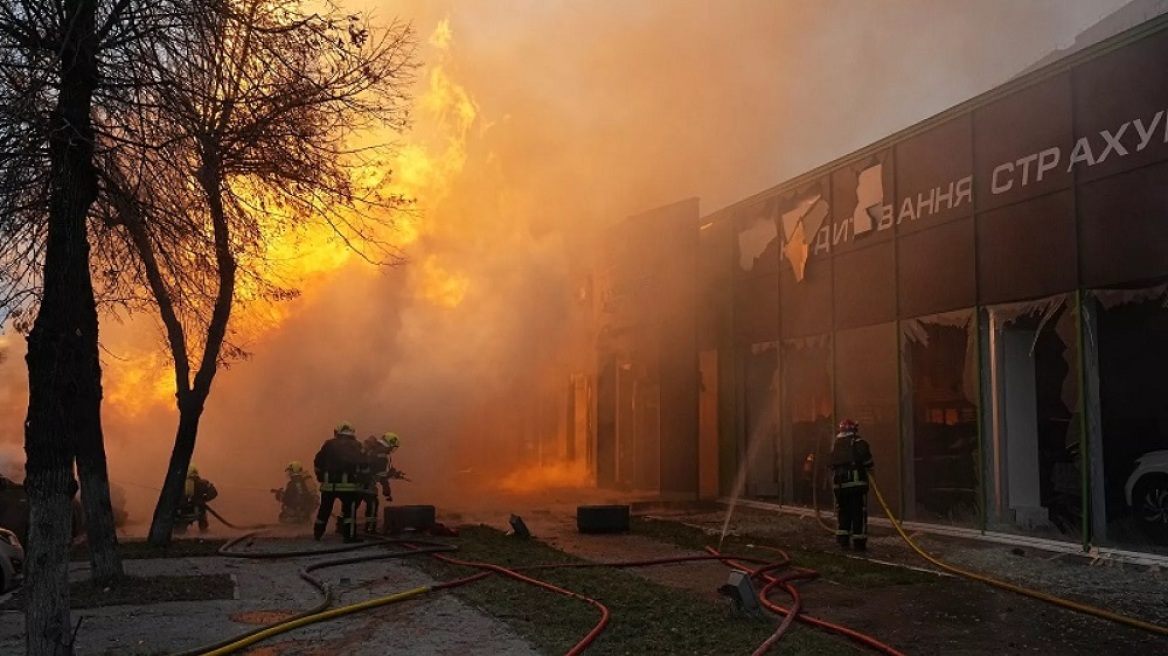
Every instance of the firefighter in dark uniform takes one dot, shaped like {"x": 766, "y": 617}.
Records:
{"x": 338, "y": 465}
{"x": 851, "y": 462}
{"x": 377, "y": 451}
{"x": 192, "y": 508}
{"x": 298, "y": 498}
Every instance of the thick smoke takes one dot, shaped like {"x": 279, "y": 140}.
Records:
{"x": 539, "y": 123}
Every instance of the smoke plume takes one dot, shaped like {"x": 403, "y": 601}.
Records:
{"x": 538, "y": 123}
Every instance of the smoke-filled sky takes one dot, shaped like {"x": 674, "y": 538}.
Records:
{"x": 536, "y": 121}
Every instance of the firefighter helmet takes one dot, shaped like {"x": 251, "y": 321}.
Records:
{"x": 848, "y": 427}
{"x": 192, "y": 471}
{"x": 389, "y": 441}
{"x": 345, "y": 429}
{"x": 294, "y": 467}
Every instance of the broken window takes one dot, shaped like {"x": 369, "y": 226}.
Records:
{"x": 867, "y": 392}
{"x": 762, "y": 393}
{"x": 754, "y": 240}
{"x": 1131, "y": 346}
{"x": 939, "y": 380}
{"x": 805, "y": 420}
{"x": 1034, "y": 446}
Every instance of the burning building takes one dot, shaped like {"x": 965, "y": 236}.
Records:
{"x": 984, "y": 292}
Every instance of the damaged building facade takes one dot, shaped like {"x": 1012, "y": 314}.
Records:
{"x": 986, "y": 293}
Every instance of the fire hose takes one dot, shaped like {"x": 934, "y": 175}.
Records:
{"x": 321, "y": 613}
{"x": 1034, "y": 594}
{"x": 1002, "y": 585}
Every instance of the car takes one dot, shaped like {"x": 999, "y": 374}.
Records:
{"x": 11, "y": 560}
{"x": 1146, "y": 493}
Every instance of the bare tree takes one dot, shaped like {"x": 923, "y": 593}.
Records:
{"x": 246, "y": 134}
{"x": 51, "y": 57}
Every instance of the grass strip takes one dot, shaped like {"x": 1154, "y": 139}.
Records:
{"x": 142, "y": 591}
{"x": 140, "y": 549}
{"x": 833, "y": 566}
{"x": 647, "y": 618}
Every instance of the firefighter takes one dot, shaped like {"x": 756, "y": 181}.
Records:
{"x": 851, "y": 463}
{"x": 298, "y": 498}
{"x": 338, "y": 466}
{"x": 379, "y": 451}
{"x": 197, "y": 493}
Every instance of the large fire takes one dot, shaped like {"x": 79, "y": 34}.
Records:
{"x": 138, "y": 377}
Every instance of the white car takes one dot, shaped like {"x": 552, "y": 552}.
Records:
{"x": 1146, "y": 493}
{"x": 11, "y": 560}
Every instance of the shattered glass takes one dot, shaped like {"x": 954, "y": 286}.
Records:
{"x": 870, "y": 199}
{"x": 805, "y": 419}
{"x": 1129, "y": 331}
{"x": 800, "y": 226}
{"x": 754, "y": 240}
{"x": 1033, "y": 439}
{"x": 939, "y": 382}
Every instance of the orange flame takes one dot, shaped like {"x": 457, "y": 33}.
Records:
{"x": 536, "y": 478}
{"x": 307, "y": 257}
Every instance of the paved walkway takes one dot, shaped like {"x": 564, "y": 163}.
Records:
{"x": 432, "y": 624}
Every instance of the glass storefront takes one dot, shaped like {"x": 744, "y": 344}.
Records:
{"x": 805, "y": 420}
{"x": 867, "y": 392}
{"x": 762, "y": 394}
{"x": 1131, "y": 332}
{"x": 1033, "y": 442}
{"x": 939, "y": 387}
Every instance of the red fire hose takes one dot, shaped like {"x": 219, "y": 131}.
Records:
{"x": 785, "y": 583}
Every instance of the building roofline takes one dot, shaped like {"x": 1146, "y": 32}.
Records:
{"x": 1057, "y": 67}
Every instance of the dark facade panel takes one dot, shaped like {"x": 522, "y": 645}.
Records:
{"x": 1027, "y": 250}
{"x": 805, "y": 306}
{"x": 934, "y": 176}
{"x": 1125, "y": 95}
{"x": 865, "y": 286}
{"x": 1123, "y": 223}
{"x": 715, "y": 275}
{"x": 860, "y": 193}
{"x": 866, "y": 391}
{"x": 936, "y": 270}
{"x": 756, "y": 311}
{"x": 757, "y": 239}
{"x": 1021, "y": 144}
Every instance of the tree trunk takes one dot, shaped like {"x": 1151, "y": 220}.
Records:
{"x": 105, "y": 565}
{"x": 46, "y": 586}
{"x": 64, "y": 372}
{"x": 191, "y": 401}
{"x": 190, "y": 410}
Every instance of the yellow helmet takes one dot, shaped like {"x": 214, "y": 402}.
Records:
{"x": 345, "y": 429}
{"x": 192, "y": 471}
{"x": 389, "y": 440}
{"x": 294, "y": 467}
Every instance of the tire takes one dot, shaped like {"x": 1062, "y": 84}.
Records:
{"x": 602, "y": 519}
{"x": 1150, "y": 507}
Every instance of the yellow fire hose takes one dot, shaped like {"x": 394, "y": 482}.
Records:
{"x": 1035, "y": 594}
{"x": 289, "y": 625}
